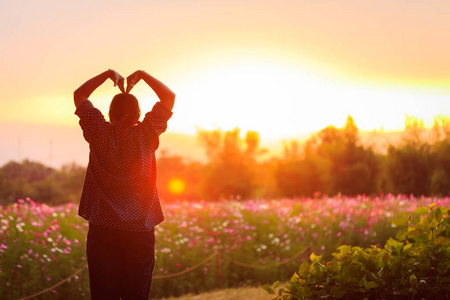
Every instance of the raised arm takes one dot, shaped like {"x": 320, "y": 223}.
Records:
{"x": 85, "y": 90}
{"x": 165, "y": 95}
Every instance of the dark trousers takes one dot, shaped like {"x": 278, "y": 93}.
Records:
{"x": 120, "y": 263}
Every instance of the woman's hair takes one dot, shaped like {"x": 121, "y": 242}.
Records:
{"x": 124, "y": 107}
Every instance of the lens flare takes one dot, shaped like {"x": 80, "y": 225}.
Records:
{"x": 176, "y": 186}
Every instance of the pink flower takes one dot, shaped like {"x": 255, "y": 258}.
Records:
{"x": 178, "y": 265}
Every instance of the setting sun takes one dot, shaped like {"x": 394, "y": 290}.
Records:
{"x": 280, "y": 97}
{"x": 176, "y": 186}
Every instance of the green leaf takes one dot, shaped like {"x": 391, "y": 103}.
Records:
{"x": 315, "y": 258}
{"x": 304, "y": 267}
{"x": 344, "y": 249}
{"x": 413, "y": 279}
{"x": 385, "y": 258}
{"x": 363, "y": 281}
{"x": 392, "y": 244}
{"x": 294, "y": 278}
{"x": 268, "y": 289}
{"x": 421, "y": 210}
{"x": 432, "y": 205}
{"x": 424, "y": 222}
{"x": 371, "y": 285}
{"x": 433, "y": 224}
{"x": 276, "y": 284}
{"x": 400, "y": 222}
{"x": 363, "y": 254}
{"x": 414, "y": 233}
{"x": 337, "y": 291}
{"x": 442, "y": 240}
{"x": 401, "y": 235}
{"x": 307, "y": 292}
{"x": 407, "y": 246}
{"x": 336, "y": 255}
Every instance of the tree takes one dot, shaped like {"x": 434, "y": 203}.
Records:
{"x": 440, "y": 176}
{"x": 331, "y": 161}
{"x": 40, "y": 183}
{"x": 409, "y": 164}
{"x": 18, "y": 180}
{"x": 297, "y": 173}
{"x": 232, "y": 162}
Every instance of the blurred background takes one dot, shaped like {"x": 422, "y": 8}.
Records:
{"x": 303, "y": 93}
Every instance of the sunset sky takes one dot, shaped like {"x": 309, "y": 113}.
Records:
{"x": 277, "y": 67}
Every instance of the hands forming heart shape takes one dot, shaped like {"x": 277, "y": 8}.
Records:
{"x": 119, "y": 81}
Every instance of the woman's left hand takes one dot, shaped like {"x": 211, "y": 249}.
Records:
{"x": 117, "y": 79}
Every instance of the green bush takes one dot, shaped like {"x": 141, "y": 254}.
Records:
{"x": 415, "y": 266}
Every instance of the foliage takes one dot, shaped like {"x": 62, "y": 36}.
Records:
{"x": 440, "y": 177}
{"x": 416, "y": 265}
{"x": 333, "y": 161}
{"x": 420, "y": 164}
{"x": 231, "y": 168}
{"x": 47, "y": 185}
{"x": 40, "y": 245}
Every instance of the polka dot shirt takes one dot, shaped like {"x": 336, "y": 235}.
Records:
{"x": 120, "y": 185}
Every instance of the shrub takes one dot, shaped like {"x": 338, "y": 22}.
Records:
{"x": 415, "y": 265}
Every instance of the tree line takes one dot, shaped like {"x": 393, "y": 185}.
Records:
{"x": 332, "y": 161}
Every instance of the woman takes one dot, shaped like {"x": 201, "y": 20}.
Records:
{"x": 119, "y": 197}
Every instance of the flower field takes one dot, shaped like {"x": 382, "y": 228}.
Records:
{"x": 201, "y": 246}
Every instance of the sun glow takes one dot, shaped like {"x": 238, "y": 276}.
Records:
{"x": 176, "y": 186}
{"x": 279, "y": 99}
{"x": 252, "y": 95}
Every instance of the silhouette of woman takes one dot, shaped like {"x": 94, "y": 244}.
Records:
{"x": 119, "y": 197}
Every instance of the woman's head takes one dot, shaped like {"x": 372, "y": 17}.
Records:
{"x": 124, "y": 107}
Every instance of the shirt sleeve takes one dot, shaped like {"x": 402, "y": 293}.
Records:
{"x": 155, "y": 121}
{"x": 92, "y": 121}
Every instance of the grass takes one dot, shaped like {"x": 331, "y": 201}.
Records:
{"x": 243, "y": 293}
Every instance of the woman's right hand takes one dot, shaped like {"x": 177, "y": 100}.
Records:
{"x": 117, "y": 79}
